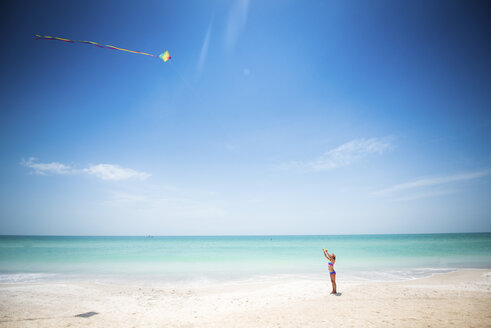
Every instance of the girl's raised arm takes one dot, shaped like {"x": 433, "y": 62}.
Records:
{"x": 326, "y": 254}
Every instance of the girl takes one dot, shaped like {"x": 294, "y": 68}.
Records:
{"x": 332, "y": 273}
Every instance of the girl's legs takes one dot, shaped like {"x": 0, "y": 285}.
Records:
{"x": 333, "y": 281}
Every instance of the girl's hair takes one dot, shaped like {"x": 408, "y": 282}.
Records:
{"x": 333, "y": 256}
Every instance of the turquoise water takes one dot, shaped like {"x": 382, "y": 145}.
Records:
{"x": 372, "y": 257}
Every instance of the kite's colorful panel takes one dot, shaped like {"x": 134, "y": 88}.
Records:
{"x": 164, "y": 56}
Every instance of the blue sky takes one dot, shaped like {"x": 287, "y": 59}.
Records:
{"x": 272, "y": 117}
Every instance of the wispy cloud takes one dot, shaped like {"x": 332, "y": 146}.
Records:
{"x": 114, "y": 172}
{"x": 432, "y": 182}
{"x": 169, "y": 203}
{"x": 425, "y": 194}
{"x": 237, "y": 20}
{"x": 204, "y": 48}
{"x": 102, "y": 171}
{"x": 232, "y": 147}
{"x": 118, "y": 196}
{"x": 46, "y": 168}
{"x": 347, "y": 154}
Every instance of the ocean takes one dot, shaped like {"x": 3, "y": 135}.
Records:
{"x": 25, "y": 259}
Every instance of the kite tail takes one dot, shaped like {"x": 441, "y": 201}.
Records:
{"x": 164, "y": 56}
{"x": 52, "y": 38}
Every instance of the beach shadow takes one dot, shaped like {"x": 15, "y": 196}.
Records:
{"x": 337, "y": 294}
{"x": 81, "y": 315}
{"x": 86, "y": 314}
{"x": 32, "y": 319}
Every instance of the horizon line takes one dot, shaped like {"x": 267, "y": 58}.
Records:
{"x": 253, "y": 235}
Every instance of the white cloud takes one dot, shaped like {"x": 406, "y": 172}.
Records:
{"x": 44, "y": 168}
{"x": 431, "y": 182}
{"x": 102, "y": 171}
{"x": 114, "y": 172}
{"x": 236, "y": 22}
{"x": 347, "y": 154}
{"x": 204, "y": 48}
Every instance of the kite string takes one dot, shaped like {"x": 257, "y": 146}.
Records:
{"x": 190, "y": 86}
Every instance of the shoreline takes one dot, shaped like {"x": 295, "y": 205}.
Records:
{"x": 389, "y": 275}
{"x": 461, "y": 298}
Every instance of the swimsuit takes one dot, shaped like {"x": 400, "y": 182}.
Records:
{"x": 333, "y": 272}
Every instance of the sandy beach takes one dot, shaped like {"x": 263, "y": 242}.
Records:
{"x": 457, "y": 299}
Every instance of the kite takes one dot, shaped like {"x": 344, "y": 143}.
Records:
{"x": 165, "y": 56}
